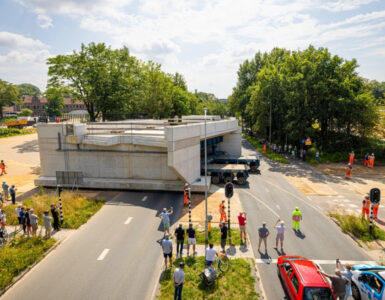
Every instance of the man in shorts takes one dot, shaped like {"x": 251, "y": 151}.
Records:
{"x": 223, "y": 228}
{"x": 242, "y": 226}
{"x": 191, "y": 238}
{"x": 165, "y": 217}
{"x": 5, "y": 187}
{"x": 280, "y": 233}
{"x": 33, "y": 221}
{"x": 47, "y": 224}
{"x": 263, "y": 234}
{"x": 167, "y": 250}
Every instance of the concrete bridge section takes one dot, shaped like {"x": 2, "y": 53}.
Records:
{"x": 135, "y": 154}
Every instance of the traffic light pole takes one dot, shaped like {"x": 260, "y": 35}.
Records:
{"x": 228, "y": 219}
{"x": 371, "y": 219}
{"x": 60, "y": 205}
{"x": 189, "y": 205}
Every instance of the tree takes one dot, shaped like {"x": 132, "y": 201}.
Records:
{"x": 55, "y": 96}
{"x": 25, "y": 112}
{"x": 27, "y": 89}
{"x": 8, "y": 94}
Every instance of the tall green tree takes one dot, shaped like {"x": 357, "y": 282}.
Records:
{"x": 55, "y": 97}
{"x": 28, "y": 89}
{"x": 8, "y": 94}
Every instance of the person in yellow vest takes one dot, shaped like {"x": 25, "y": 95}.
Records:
{"x": 375, "y": 210}
{"x": 297, "y": 218}
{"x": 186, "y": 194}
{"x": 366, "y": 207}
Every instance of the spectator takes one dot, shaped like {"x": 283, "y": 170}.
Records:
{"x": 55, "y": 216}
{"x": 17, "y": 212}
{"x": 3, "y": 218}
{"x": 22, "y": 221}
{"x": 280, "y": 233}
{"x": 339, "y": 283}
{"x": 28, "y": 222}
{"x": 1, "y": 198}
{"x": 223, "y": 236}
{"x": 12, "y": 191}
{"x": 191, "y": 238}
{"x": 165, "y": 217}
{"x": 167, "y": 250}
{"x": 210, "y": 255}
{"x": 178, "y": 281}
{"x": 263, "y": 234}
{"x": 242, "y": 226}
{"x": 33, "y": 221}
{"x": 347, "y": 272}
{"x": 179, "y": 233}
{"x": 47, "y": 224}
{"x": 317, "y": 156}
{"x": 5, "y": 187}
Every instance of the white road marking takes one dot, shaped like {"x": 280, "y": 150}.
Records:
{"x": 309, "y": 198}
{"x": 144, "y": 198}
{"x": 263, "y": 203}
{"x": 319, "y": 261}
{"x": 103, "y": 254}
{"x": 353, "y": 205}
{"x": 128, "y": 221}
{"x": 345, "y": 200}
{"x": 278, "y": 206}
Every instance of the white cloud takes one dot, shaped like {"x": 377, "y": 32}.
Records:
{"x": 44, "y": 21}
{"x": 345, "y": 5}
{"x": 12, "y": 40}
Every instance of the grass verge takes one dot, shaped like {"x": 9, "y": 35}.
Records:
{"x": 358, "y": 227}
{"x": 215, "y": 236}
{"x": 19, "y": 254}
{"x": 236, "y": 283}
{"x": 269, "y": 153}
{"x": 77, "y": 209}
{"x": 7, "y": 132}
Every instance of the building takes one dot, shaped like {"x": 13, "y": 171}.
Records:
{"x": 38, "y": 104}
{"x": 134, "y": 154}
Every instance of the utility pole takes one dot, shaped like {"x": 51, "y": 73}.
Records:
{"x": 270, "y": 122}
{"x": 206, "y": 229}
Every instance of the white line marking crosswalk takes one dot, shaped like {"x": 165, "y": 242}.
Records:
{"x": 144, "y": 198}
{"x": 103, "y": 254}
{"x": 128, "y": 221}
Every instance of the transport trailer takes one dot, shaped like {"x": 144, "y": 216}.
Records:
{"x": 251, "y": 161}
{"x": 227, "y": 173}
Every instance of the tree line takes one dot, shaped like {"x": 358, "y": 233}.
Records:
{"x": 292, "y": 95}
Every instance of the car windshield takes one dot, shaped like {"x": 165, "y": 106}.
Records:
{"x": 317, "y": 293}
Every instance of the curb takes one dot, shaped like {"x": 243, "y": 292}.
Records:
{"x": 258, "y": 283}
{"x": 23, "y": 273}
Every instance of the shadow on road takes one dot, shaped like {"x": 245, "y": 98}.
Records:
{"x": 31, "y": 146}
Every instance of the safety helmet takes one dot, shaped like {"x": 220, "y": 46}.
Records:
{"x": 297, "y": 208}
{"x": 367, "y": 196}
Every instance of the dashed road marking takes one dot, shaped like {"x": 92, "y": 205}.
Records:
{"x": 144, "y": 198}
{"x": 103, "y": 254}
{"x": 128, "y": 221}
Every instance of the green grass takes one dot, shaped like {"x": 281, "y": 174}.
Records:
{"x": 7, "y": 132}
{"x": 19, "y": 254}
{"x": 77, "y": 209}
{"x": 215, "y": 236}
{"x": 359, "y": 227}
{"x": 269, "y": 153}
{"x": 236, "y": 283}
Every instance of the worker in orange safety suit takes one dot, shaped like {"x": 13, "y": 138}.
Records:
{"x": 351, "y": 158}
{"x": 348, "y": 171}
{"x": 375, "y": 210}
{"x": 186, "y": 194}
{"x": 366, "y": 207}
{"x": 371, "y": 161}
{"x": 264, "y": 148}
{"x": 2, "y": 167}
{"x": 222, "y": 211}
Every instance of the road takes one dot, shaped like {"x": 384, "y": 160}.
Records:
{"x": 270, "y": 196}
{"x": 128, "y": 227}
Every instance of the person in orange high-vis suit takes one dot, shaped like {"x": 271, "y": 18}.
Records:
{"x": 264, "y": 148}
{"x": 371, "y": 161}
{"x": 366, "y": 207}
{"x": 222, "y": 212}
{"x": 2, "y": 167}
{"x": 376, "y": 206}
{"x": 186, "y": 195}
{"x": 348, "y": 171}
{"x": 351, "y": 158}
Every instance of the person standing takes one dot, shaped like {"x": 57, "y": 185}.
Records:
{"x": 351, "y": 158}
{"x": 347, "y": 272}
{"x": 3, "y": 218}
{"x": 222, "y": 211}
{"x": 28, "y": 222}
{"x": 339, "y": 283}
{"x": 242, "y": 226}
{"x": 348, "y": 171}
{"x": 376, "y": 206}
{"x": 33, "y": 222}
{"x": 366, "y": 160}
{"x": 23, "y": 224}
{"x": 317, "y": 156}
{"x": 2, "y": 167}
{"x": 280, "y": 233}
{"x": 371, "y": 160}
{"x": 167, "y": 249}
{"x": 47, "y": 224}
{"x": 179, "y": 233}
{"x": 263, "y": 233}
{"x": 186, "y": 195}
{"x": 178, "y": 281}
{"x": 191, "y": 238}
{"x": 224, "y": 229}
{"x": 366, "y": 207}
{"x": 165, "y": 217}
{"x": 1, "y": 198}
{"x": 5, "y": 187}
{"x": 297, "y": 218}
{"x": 12, "y": 191}
{"x": 55, "y": 216}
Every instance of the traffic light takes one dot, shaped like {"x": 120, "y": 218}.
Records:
{"x": 375, "y": 195}
{"x": 229, "y": 190}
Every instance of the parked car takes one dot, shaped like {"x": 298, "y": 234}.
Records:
{"x": 368, "y": 282}
{"x": 302, "y": 279}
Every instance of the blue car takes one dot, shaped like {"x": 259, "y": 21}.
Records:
{"x": 368, "y": 282}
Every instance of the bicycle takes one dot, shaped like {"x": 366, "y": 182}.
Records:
{"x": 222, "y": 263}
{"x": 210, "y": 273}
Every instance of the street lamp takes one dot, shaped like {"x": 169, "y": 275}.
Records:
{"x": 206, "y": 229}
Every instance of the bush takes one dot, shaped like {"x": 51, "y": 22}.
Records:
{"x": 215, "y": 236}
{"x": 269, "y": 153}
{"x": 20, "y": 253}
{"x": 7, "y": 132}
{"x": 25, "y": 112}
{"x": 359, "y": 227}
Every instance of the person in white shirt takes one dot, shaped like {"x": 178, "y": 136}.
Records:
{"x": 3, "y": 218}
{"x": 210, "y": 255}
{"x": 178, "y": 281}
{"x": 280, "y": 233}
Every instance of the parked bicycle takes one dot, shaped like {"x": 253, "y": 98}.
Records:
{"x": 210, "y": 273}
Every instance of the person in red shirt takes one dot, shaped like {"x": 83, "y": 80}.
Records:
{"x": 242, "y": 226}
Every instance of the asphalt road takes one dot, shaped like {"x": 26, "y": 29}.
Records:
{"x": 270, "y": 196}
{"x": 126, "y": 270}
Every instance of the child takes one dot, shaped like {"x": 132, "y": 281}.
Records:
{"x": 47, "y": 224}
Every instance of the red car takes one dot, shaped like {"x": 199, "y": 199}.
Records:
{"x": 302, "y": 280}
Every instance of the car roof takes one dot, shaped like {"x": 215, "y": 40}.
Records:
{"x": 309, "y": 274}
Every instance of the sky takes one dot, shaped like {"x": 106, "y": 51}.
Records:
{"x": 206, "y": 41}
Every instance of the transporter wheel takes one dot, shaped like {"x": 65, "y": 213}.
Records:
{"x": 253, "y": 168}
{"x": 215, "y": 179}
{"x": 228, "y": 179}
{"x": 241, "y": 180}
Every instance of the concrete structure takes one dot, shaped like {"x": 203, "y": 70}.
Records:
{"x": 138, "y": 154}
